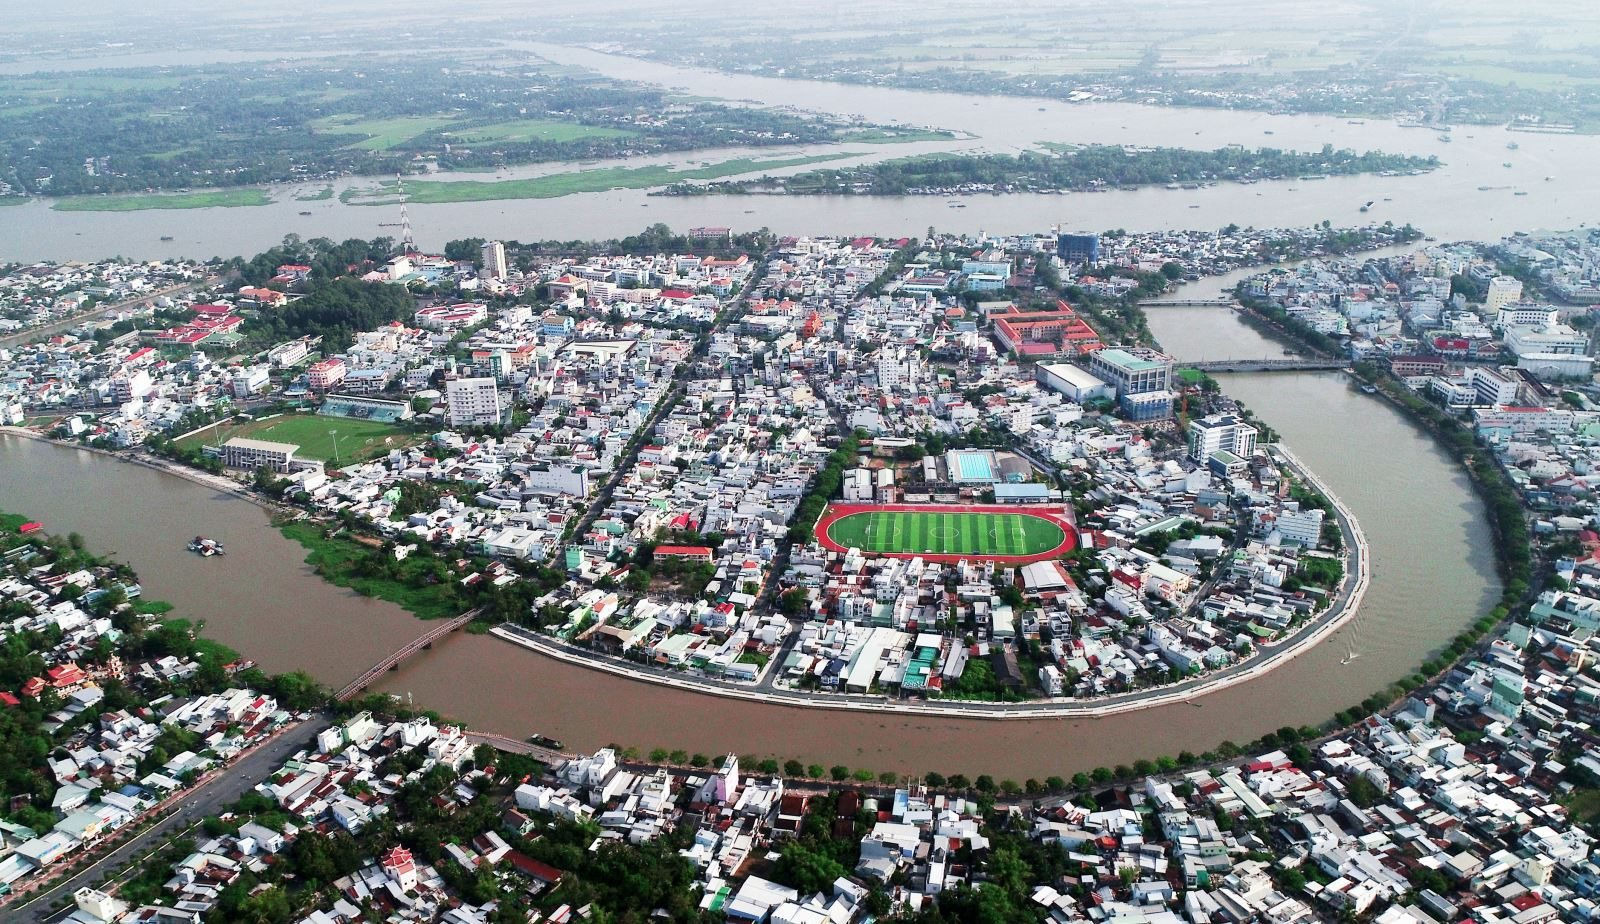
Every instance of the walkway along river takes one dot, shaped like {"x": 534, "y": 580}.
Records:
{"x": 1431, "y": 560}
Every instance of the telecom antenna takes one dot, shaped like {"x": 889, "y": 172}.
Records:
{"x": 407, "y": 245}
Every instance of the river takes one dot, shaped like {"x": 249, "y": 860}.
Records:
{"x": 1432, "y": 575}
{"x": 1446, "y": 203}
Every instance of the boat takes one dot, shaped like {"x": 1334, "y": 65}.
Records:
{"x": 166, "y": 237}
{"x": 1445, "y": 138}
{"x": 305, "y": 213}
{"x": 1267, "y": 132}
{"x": 1506, "y": 164}
{"x": 1368, "y": 388}
{"x": 1367, "y": 207}
{"x": 545, "y": 741}
{"x": 1520, "y": 192}
{"x": 1512, "y": 146}
{"x": 1290, "y": 351}
{"x": 206, "y": 547}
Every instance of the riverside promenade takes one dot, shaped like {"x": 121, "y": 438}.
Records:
{"x": 1345, "y": 606}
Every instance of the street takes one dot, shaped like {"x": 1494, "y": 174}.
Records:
{"x": 193, "y": 806}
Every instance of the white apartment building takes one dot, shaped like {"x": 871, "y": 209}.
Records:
{"x": 494, "y": 260}
{"x": 472, "y": 402}
{"x": 1554, "y": 338}
{"x": 1492, "y": 387}
{"x": 1304, "y": 527}
{"x": 1221, "y": 433}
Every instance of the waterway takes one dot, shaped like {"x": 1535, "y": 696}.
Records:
{"x": 1432, "y": 574}
{"x": 1447, "y": 203}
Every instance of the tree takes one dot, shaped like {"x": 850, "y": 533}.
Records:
{"x": 806, "y": 869}
{"x": 839, "y": 772}
{"x": 793, "y": 768}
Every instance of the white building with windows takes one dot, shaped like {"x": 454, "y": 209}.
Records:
{"x": 1221, "y": 433}
{"x": 472, "y": 402}
{"x": 1503, "y": 291}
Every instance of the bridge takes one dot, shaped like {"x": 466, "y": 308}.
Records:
{"x": 513, "y": 746}
{"x": 1267, "y": 365}
{"x": 355, "y": 687}
{"x": 1220, "y": 302}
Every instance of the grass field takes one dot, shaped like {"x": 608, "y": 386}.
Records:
{"x": 210, "y": 198}
{"x": 358, "y": 439}
{"x": 535, "y": 130}
{"x": 894, "y": 136}
{"x": 429, "y": 192}
{"x": 939, "y": 533}
{"x": 382, "y": 134}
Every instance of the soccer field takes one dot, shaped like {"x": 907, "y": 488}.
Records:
{"x": 947, "y": 533}
{"x": 357, "y": 439}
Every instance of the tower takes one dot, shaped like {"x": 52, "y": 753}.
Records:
{"x": 407, "y": 245}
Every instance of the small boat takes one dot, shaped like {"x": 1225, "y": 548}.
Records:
{"x": 305, "y": 213}
{"x": 545, "y": 741}
{"x": 1367, "y": 207}
{"x": 1290, "y": 351}
{"x": 166, "y": 237}
{"x": 1506, "y": 164}
{"x": 1368, "y": 389}
{"x": 1520, "y": 192}
{"x": 1512, "y": 145}
{"x": 206, "y": 547}
{"x": 1267, "y": 132}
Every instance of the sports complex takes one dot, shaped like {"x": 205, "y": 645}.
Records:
{"x": 949, "y": 532}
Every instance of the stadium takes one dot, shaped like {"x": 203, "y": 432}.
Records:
{"x": 949, "y": 533}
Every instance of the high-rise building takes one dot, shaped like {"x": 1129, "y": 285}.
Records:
{"x": 1503, "y": 290}
{"x": 1078, "y": 248}
{"x": 1141, "y": 376}
{"x": 472, "y": 402}
{"x": 1221, "y": 433}
{"x": 494, "y": 260}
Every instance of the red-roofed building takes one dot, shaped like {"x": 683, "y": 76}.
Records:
{"x": 1043, "y": 333}
{"x": 690, "y": 552}
{"x": 400, "y": 867}
{"x": 66, "y": 676}
{"x": 34, "y": 687}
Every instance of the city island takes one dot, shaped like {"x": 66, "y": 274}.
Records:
{"x": 947, "y": 474}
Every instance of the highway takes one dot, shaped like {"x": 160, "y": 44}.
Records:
{"x": 30, "y": 334}
{"x": 192, "y": 806}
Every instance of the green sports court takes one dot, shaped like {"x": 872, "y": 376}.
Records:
{"x": 947, "y": 532}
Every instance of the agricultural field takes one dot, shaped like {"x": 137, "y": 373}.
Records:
{"x": 381, "y": 134}
{"x": 357, "y": 439}
{"x": 521, "y": 130}
{"x": 946, "y": 532}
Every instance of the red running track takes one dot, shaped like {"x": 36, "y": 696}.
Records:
{"x": 1060, "y": 516}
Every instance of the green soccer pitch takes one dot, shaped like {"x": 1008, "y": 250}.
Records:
{"x": 971, "y": 535}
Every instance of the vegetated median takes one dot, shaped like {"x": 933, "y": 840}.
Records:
{"x": 431, "y": 192}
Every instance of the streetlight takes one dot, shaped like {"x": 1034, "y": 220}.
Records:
{"x": 335, "y": 435}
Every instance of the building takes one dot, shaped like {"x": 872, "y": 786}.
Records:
{"x": 1045, "y": 333}
{"x": 1078, "y": 248}
{"x": 253, "y": 454}
{"x": 288, "y": 354}
{"x": 1141, "y": 376}
{"x": 472, "y": 402}
{"x": 1303, "y": 527}
{"x": 1527, "y": 314}
{"x": 1555, "y": 338}
{"x": 1074, "y": 383}
{"x": 325, "y": 374}
{"x": 1503, "y": 290}
{"x": 1221, "y": 433}
{"x": 248, "y": 380}
{"x": 494, "y": 260}
{"x": 1492, "y": 387}
{"x": 449, "y": 319}
{"x": 130, "y": 384}
{"x": 1416, "y": 364}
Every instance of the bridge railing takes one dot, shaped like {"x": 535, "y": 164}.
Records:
{"x": 410, "y": 648}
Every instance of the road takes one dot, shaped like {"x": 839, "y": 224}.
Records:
{"x": 55, "y": 327}
{"x": 193, "y": 806}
